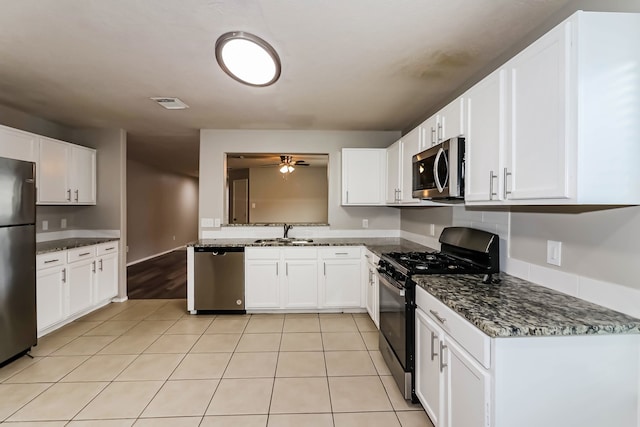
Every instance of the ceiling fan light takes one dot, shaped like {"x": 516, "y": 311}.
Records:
{"x": 291, "y": 168}
{"x": 284, "y": 169}
{"x": 248, "y": 58}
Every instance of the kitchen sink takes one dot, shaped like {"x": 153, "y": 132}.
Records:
{"x": 282, "y": 241}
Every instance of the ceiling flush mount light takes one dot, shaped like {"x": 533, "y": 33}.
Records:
{"x": 170, "y": 103}
{"x": 248, "y": 59}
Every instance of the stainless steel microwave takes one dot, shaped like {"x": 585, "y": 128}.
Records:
{"x": 438, "y": 172}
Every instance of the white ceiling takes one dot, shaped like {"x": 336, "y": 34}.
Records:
{"x": 346, "y": 65}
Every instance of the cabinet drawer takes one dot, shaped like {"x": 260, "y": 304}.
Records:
{"x": 78, "y": 254}
{"x": 339, "y": 252}
{"x": 468, "y": 336}
{"x": 51, "y": 259}
{"x": 107, "y": 248}
{"x": 300, "y": 253}
{"x": 262, "y": 253}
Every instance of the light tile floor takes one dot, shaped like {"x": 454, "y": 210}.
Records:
{"x": 149, "y": 363}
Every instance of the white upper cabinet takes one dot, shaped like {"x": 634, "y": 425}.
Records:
{"x": 445, "y": 124}
{"x": 571, "y": 102}
{"x": 450, "y": 121}
{"x": 363, "y": 176}
{"x": 15, "y": 144}
{"x": 485, "y": 138}
{"x": 394, "y": 177}
{"x": 66, "y": 173}
{"x": 400, "y": 168}
{"x": 53, "y": 172}
{"x": 83, "y": 175}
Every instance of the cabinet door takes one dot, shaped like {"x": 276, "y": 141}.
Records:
{"x": 393, "y": 173}
{"x": 468, "y": 389}
{"x": 538, "y": 159}
{"x": 262, "y": 288}
{"x": 363, "y": 176}
{"x": 83, "y": 175}
{"x": 342, "y": 283}
{"x": 485, "y": 138}
{"x": 301, "y": 283}
{"x": 410, "y": 146}
{"x": 19, "y": 145}
{"x": 80, "y": 279}
{"x": 429, "y": 382}
{"x": 49, "y": 296}
{"x": 429, "y": 130}
{"x": 106, "y": 278}
{"x": 52, "y": 172}
{"x": 450, "y": 121}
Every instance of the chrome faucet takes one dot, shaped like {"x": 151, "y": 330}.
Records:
{"x": 287, "y": 227}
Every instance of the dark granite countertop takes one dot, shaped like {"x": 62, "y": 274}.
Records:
{"x": 517, "y": 308}
{"x": 63, "y": 244}
{"x": 378, "y": 245}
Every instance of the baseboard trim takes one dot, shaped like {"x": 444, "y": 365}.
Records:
{"x": 154, "y": 256}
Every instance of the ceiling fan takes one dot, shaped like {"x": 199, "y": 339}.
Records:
{"x": 288, "y": 165}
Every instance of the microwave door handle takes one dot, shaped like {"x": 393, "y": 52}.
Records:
{"x": 435, "y": 170}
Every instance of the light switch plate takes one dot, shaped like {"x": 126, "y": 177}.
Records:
{"x": 63, "y": 223}
{"x": 365, "y": 223}
{"x": 554, "y": 252}
{"x": 206, "y": 222}
{"x": 432, "y": 229}
{"x": 45, "y": 225}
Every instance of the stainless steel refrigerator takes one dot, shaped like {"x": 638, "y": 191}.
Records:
{"x": 18, "y": 329}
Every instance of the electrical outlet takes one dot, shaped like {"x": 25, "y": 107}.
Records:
{"x": 174, "y": 237}
{"x": 432, "y": 229}
{"x": 253, "y": 205}
{"x": 63, "y": 223}
{"x": 365, "y": 223}
{"x": 45, "y": 225}
{"x": 206, "y": 222}
{"x": 554, "y": 252}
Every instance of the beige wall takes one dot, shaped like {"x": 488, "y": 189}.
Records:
{"x": 298, "y": 197}
{"x": 160, "y": 206}
{"x": 215, "y": 143}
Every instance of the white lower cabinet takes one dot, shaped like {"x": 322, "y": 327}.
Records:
{"x": 106, "y": 274}
{"x": 464, "y": 378}
{"x": 303, "y": 278}
{"x": 372, "y": 299}
{"x": 80, "y": 279}
{"x": 341, "y": 277}
{"x": 73, "y": 282}
{"x": 50, "y": 296}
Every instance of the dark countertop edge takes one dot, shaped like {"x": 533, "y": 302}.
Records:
{"x": 377, "y": 245}
{"x": 70, "y": 243}
{"x": 277, "y": 224}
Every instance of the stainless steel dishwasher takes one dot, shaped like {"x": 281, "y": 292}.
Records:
{"x": 219, "y": 279}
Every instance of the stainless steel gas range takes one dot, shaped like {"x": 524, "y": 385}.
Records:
{"x": 463, "y": 251}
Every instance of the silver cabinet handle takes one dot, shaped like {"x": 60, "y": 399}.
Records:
{"x": 433, "y": 135}
{"x": 68, "y": 195}
{"x": 77, "y": 191}
{"x": 439, "y": 132}
{"x": 64, "y": 275}
{"x": 437, "y": 316}
{"x": 51, "y": 260}
{"x": 347, "y": 196}
{"x": 109, "y": 249}
{"x": 433, "y": 353}
{"x": 277, "y": 268}
{"x": 286, "y": 267}
{"x": 85, "y": 254}
{"x": 101, "y": 265}
{"x": 507, "y": 174}
{"x": 442, "y": 364}
{"x": 491, "y": 178}
{"x": 325, "y": 268}
{"x": 93, "y": 266}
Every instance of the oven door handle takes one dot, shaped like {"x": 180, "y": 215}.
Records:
{"x": 388, "y": 285}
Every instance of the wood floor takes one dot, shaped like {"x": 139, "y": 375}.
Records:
{"x": 163, "y": 277}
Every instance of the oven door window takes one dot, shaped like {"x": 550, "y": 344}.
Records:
{"x": 393, "y": 320}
